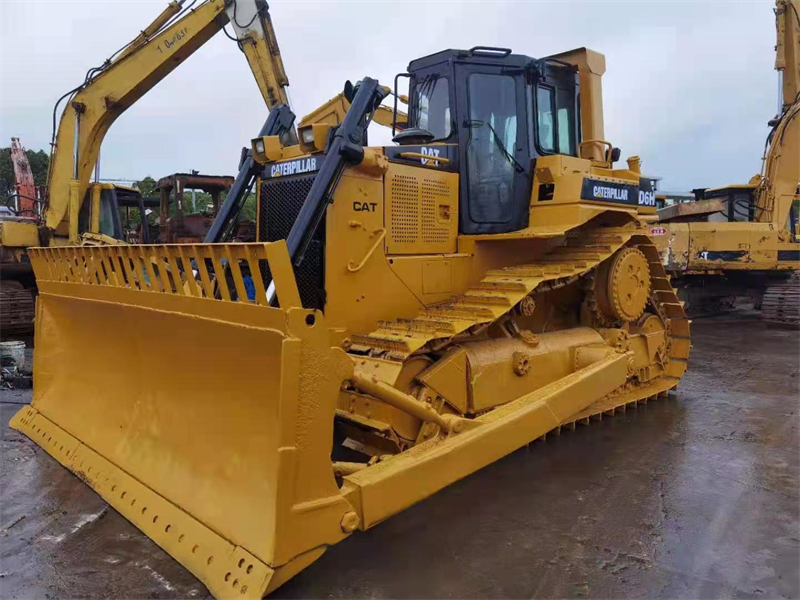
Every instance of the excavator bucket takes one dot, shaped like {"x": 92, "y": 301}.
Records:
{"x": 198, "y": 410}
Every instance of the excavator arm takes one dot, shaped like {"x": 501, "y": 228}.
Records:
{"x": 778, "y": 182}
{"x": 169, "y": 40}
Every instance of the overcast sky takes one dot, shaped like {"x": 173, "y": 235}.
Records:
{"x": 689, "y": 86}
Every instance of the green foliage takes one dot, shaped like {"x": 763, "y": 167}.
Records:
{"x": 249, "y": 209}
{"x": 40, "y": 163}
{"x": 6, "y": 172}
{"x": 146, "y": 186}
{"x": 39, "y": 160}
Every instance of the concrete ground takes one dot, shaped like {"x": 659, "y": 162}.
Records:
{"x": 695, "y": 496}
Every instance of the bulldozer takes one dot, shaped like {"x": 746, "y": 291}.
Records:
{"x": 408, "y": 315}
{"x": 744, "y": 239}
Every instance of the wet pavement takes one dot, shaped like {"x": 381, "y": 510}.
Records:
{"x": 695, "y": 496}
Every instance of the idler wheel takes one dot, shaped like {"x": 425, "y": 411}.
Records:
{"x": 624, "y": 285}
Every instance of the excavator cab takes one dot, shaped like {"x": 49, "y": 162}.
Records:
{"x": 115, "y": 213}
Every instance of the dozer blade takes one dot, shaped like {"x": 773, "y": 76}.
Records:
{"x": 205, "y": 421}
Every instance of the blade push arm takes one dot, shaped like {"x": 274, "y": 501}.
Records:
{"x": 151, "y": 56}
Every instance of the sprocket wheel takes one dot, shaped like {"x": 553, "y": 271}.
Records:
{"x": 623, "y": 285}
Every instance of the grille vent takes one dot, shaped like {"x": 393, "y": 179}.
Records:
{"x": 421, "y": 214}
{"x": 281, "y": 201}
{"x": 405, "y": 209}
{"x": 435, "y": 194}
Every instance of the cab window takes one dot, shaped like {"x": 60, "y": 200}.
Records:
{"x": 107, "y": 209}
{"x": 491, "y": 146}
{"x": 565, "y": 112}
{"x": 544, "y": 119}
{"x": 432, "y": 107}
{"x": 555, "y": 121}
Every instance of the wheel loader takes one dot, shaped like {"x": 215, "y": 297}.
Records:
{"x": 410, "y": 314}
{"x": 744, "y": 240}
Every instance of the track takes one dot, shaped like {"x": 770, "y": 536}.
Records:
{"x": 501, "y": 289}
{"x": 16, "y": 308}
{"x": 781, "y": 303}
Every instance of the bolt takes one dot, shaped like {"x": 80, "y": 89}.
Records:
{"x": 349, "y": 522}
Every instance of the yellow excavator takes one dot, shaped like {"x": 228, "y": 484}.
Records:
{"x": 79, "y": 210}
{"x": 745, "y": 239}
{"x": 410, "y": 314}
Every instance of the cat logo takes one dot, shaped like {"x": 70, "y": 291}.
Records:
{"x": 433, "y": 152}
{"x": 364, "y": 206}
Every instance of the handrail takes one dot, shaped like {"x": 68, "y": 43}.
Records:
{"x": 355, "y": 268}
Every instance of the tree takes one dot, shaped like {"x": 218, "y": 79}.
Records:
{"x": 6, "y": 172}
{"x": 40, "y": 163}
{"x": 146, "y": 186}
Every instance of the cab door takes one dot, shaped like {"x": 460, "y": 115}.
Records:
{"x": 493, "y": 147}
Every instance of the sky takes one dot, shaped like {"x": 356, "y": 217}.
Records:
{"x": 689, "y": 86}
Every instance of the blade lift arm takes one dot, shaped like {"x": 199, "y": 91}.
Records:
{"x": 346, "y": 147}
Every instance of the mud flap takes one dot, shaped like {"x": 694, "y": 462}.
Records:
{"x": 206, "y": 422}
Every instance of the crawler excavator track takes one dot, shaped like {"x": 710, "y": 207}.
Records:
{"x": 780, "y": 304}
{"x": 16, "y": 308}
{"x": 500, "y": 290}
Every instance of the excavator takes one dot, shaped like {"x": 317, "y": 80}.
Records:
{"x": 81, "y": 211}
{"x": 16, "y": 276}
{"x": 745, "y": 239}
{"x": 78, "y": 210}
{"x": 409, "y": 314}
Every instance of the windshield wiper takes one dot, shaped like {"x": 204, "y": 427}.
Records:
{"x": 499, "y": 143}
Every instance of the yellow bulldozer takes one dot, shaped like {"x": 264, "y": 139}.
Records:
{"x": 745, "y": 239}
{"x": 410, "y": 314}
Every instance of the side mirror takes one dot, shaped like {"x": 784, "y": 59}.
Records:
{"x": 615, "y": 154}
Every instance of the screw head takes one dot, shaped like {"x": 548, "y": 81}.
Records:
{"x": 349, "y": 522}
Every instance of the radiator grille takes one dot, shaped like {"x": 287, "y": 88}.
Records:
{"x": 435, "y": 198}
{"x": 280, "y": 203}
{"x": 405, "y": 209}
{"x": 421, "y": 213}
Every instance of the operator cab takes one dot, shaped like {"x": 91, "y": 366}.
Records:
{"x": 122, "y": 211}
{"x": 739, "y": 202}
{"x": 499, "y": 111}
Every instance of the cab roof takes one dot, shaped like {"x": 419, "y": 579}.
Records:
{"x": 478, "y": 54}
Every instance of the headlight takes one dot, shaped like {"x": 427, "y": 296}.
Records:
{"x": 259, "y": 145}
{"x": 307, "y": 135}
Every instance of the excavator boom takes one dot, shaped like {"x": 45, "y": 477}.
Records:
{"x": 23, "y": 176}
{"x": 111, "y": 89}
{"x": 778, "y": 186}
